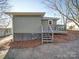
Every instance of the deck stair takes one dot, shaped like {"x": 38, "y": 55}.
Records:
{"x": 47, "y": 36}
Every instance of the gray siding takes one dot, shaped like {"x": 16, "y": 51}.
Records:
{"x": 45, "y": 25}
{"x": 26, "y": 24}
{"x": 26, "y": 36}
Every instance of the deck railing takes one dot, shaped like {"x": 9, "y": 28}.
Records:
{"x": 60, "y": 28}
{"x": 54, "y": 28}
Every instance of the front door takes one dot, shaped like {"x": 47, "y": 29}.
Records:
{"x": 45, "y": 25}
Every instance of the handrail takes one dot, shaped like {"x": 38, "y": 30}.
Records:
{"x": 52, "y": 32}
{"x": 50, "y": 28}
{"x": 44, "y": 33}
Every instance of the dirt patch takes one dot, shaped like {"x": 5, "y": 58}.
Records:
{"x": 69, "y": 36}
{"x": 25, "y": 44}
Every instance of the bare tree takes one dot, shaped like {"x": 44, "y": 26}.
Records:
{"x": 68, "y": 8}
{"x": 4, "y": 18}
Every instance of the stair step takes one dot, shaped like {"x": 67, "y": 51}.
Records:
{"x": 47, "y": 37}
{"x": 47, "y": 40}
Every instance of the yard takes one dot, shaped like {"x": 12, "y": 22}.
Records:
{"x": 47, "y": 51}
{"x": 67, "y": 50}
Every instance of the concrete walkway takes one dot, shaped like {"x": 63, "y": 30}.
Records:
{"x": 47, "y": 51}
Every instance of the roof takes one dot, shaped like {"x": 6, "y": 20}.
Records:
{"x": 4, "y": 28}
{"x": 50, "y": 18}
{"x": 26, "y": 13}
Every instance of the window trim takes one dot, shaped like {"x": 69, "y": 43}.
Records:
{"x": 51, "y": 22}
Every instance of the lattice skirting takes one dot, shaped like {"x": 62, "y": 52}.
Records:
{"x": 26, "y": 36}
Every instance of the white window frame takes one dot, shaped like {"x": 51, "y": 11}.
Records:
{"x": 51, "y": 22}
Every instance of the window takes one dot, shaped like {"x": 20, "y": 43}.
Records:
{"x": 50, "y": 22}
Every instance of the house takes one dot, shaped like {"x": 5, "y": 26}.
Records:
{"x": 5, "y": 32}
{"x": 33, "y": 25}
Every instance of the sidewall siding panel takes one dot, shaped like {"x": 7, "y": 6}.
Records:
{"x": 25, "y": 24}
{"x": 26, "y": 36}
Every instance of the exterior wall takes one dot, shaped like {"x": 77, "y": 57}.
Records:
{"x": 26, "y": 28}
{"x": 26, "y": 36}
{"x": 45, "y": 25}
{"x": 27, "y": 24}
{"x": 54, "y": 25}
